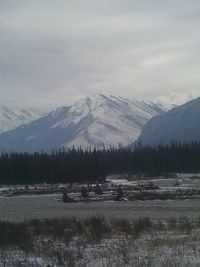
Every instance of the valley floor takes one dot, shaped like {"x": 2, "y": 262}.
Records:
{"x": 169, "y": 197}
{"x": 43, "y": 231}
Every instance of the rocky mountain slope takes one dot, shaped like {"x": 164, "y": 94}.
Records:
{"x": 181, "y": 124}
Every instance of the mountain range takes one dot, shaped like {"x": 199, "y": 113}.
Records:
{"x": 98, "y": 121}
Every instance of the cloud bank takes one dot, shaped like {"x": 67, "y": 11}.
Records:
{"x": 53, "y": 52}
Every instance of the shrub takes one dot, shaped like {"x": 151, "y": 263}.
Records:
{"x": 185, "y": 225}
{"x": 97, "y": 228}
{"x": 121, "y": 225}
{"x": 15, "y": 234}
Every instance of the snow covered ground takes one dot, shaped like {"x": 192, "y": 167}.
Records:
{"x": 164, "y": 243}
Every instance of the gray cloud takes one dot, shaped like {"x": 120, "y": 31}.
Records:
{"x": 52, "y": 52}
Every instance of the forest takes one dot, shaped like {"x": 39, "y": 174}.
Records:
{"x": 78, "y": 165}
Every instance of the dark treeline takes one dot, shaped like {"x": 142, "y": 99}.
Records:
{"x": 90, "y": 165}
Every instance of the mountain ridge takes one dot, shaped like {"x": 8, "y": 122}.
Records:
{"x": 180, "y": 124}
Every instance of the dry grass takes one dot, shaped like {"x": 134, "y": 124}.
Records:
{"x": 99, "y": 242}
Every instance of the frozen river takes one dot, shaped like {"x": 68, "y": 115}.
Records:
{"x": 29, "y": 207}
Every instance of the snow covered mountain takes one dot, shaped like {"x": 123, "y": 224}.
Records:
{"x": 181, "y": 124}
{"x": 173, "y": 100}
{"x": 98, "y": 121}
{"x": 12, "y": 118}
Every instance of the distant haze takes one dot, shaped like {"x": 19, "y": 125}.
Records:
{"x": 54, "y": 52}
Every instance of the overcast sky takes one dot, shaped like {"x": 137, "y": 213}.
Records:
{"x": 54, "y": 52}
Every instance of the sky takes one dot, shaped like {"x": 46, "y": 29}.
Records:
{"x": 55, "y": 52}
